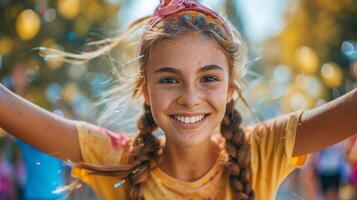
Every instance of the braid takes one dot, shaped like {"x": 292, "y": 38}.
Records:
{"x": 238, "y": 150}
{"x": 145, "y": 148}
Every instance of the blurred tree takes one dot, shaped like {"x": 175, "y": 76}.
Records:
{"x": 66, "y": 24}
{"x": 310, "y": 46}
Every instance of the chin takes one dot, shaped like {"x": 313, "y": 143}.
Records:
{"x": 189, "y": 140}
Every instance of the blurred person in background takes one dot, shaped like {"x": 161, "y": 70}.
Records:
{"x": 330, "y": 168}
{"x": 351, "y": 149}
{"x": 308, "y": 180}
{"x": 7, "y": 182}
{"x": 43, "y": 174}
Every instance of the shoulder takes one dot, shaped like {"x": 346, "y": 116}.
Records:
{"x": 100, "y": 145}
{"x": 279, "y": 125}
{"x": 95, "y": 131}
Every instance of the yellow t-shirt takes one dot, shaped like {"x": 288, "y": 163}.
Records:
{"x": 271, "y": 145}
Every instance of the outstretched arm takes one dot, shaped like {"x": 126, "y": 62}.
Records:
{"x": 326, "y": 125}
{"x": 47, "y": 132}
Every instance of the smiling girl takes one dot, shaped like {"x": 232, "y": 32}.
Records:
{"x": 190, "y": 59}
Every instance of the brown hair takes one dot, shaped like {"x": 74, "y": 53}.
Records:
{"x": 146, "y": 146}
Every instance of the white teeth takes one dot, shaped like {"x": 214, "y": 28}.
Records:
{"x": 189, "y": 120}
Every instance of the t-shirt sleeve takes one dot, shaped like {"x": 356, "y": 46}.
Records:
{"x": 272, "y": 143}
{"x": 99, "y": 146}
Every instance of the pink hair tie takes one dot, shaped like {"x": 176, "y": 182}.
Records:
{"x": 170, "y": 7}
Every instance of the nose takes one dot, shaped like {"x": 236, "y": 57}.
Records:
{"x": 190, "y": 96}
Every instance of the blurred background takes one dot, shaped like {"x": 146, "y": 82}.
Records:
{"x": 303, "y": 53}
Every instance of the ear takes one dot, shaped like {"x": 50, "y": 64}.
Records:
{"x": 230, "y": 93}
{"x": 146, "y": 95}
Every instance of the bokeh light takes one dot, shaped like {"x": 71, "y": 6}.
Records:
{"x": 50, "y": 15}
{"x": 310, "y": 84}
{"x": 93, "y": 11}
{"x": 6, "y": 45}
{"x": 349, "y": 49}
{"x": 69, "y": 9}
{"x": 307, "y": 60}
{"x": 54, "y": 92}
{"x": 70, "y": 92}
{"x": 332, "y": 75}
{"x": 296, "y": 99}
{"x": 28, "y": 24}
{"x": 282, "y": 74}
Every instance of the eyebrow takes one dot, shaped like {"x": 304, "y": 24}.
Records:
{"x": 176, "y": 71}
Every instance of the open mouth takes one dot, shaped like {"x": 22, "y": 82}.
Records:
{"x": 189, "y": 119}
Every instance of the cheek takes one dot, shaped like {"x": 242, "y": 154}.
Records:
{"x": 217, "y": 94}
{"x": 218, "y": 100}
{"x": 161, "y": 99}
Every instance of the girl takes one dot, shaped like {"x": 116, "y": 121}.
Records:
{"x": 189, "y": 68}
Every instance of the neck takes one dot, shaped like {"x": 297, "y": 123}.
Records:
{"x": 188, "y": 163}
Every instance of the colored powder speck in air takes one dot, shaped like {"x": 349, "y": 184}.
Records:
{"x": 119, "y": 184}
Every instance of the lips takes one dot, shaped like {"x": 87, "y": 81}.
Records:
{"x": 189, "y": 119}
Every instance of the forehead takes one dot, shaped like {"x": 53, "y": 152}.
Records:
{"x": 190, "y": 50}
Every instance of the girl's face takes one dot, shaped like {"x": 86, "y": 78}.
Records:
{"x": 187, "y": 87}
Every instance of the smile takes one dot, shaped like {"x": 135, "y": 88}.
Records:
{"x": 189, "y": 119}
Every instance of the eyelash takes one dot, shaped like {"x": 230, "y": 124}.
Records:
{"x": 213, "y": 79}
{"x": 164, "y": 80}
